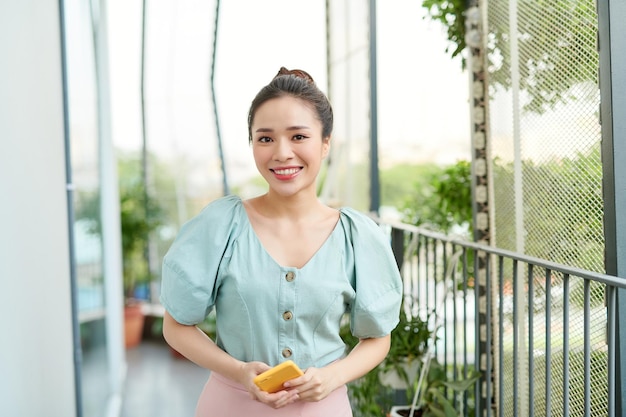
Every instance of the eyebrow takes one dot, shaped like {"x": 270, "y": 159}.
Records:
{"x": 267, "y": 129}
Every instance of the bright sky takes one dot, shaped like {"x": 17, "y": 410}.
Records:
{"x": 422, "y": 102}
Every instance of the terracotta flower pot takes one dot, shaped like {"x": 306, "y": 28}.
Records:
{"x": 133, "y": 325}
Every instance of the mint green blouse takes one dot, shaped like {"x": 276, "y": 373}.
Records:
{"x": 269, "y": 312}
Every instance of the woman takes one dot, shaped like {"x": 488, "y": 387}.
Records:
{"x": 281, "y": 270}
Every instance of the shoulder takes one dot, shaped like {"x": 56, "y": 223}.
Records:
{"x": 216, "y": 223}
{"x": 222, "y": 206}
{"x": 359, "y": 224}
{"x": 222, "y": 210}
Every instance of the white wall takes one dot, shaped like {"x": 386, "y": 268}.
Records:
{"x": 36, "y": 361}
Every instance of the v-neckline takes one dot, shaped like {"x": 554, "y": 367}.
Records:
{"x": 269, "y": 255}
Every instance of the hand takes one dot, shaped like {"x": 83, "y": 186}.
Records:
{"x": 278, "y": 399}
{"x": 315, "y": 385}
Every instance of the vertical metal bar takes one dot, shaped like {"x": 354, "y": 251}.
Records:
{"x": 489, "y": 343}
{"x": 587, "y": 348}
{"x": 374, "y": 175}
{"x": 465, "y": 350}
{"x": 515, "y": 337}
{"x": 566, "y": 375}
{"x": 531, "y": 373}
{"x": 426, "y": 272}
{"x": 612, "y": 74}
{"x": 397, "y": 245}
{"x": 548, "y": 388}
{"x": 477, "y": 324}
{"x": 613, "y": 406}
{"x": 218, "y": 131}
{"x": 444, "y": 271}
{"x": 501, "y": 335}
{"x": 435, "y": 264}
{"x": 418, "y": 251}
{"x": 77, "y": 348}
{"x": 455, "y": 366}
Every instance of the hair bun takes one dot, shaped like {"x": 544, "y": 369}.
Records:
{"x": 295, "y": 72}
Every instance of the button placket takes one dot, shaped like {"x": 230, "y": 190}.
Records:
{"x": 287, "y": 302}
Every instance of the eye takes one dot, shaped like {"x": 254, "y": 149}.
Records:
{"x": 264, "y": 139}
{"x": 299, "y": 137}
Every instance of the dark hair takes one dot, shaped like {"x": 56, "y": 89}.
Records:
{"x": 298, "y": 84}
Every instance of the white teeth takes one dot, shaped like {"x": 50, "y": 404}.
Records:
{"x": 286, "y": 171}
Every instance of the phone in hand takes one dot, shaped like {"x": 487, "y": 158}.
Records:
{"x": 272, "y": 380}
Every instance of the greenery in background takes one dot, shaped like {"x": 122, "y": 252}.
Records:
{"x": 567, "y": 231}
{"x": 439, "y": 197}
{"x": 140, "y": 216}
{"x": 371, "y": 397}
{"x": 451, "y": 15}
{"x": 557, "y": 40}
{"x": 403, "y": 182}
{"x": 561, "y": 230}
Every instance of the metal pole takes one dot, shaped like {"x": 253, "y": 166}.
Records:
{"x": 77, "y": 351}
{"x": 213, "y": 97}
{"x": 374, "y": 174}
{"x": 612, "y": 46}
{"x": 475, "y": 27}
{"x": 109, "y": 208}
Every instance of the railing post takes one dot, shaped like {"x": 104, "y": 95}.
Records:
{"x": 612, "y": 46}
{"x": 476, "y": 41}
{"x": 397, "y": 246}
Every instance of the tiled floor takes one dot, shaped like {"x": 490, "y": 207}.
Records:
{"x": 160, "y": 385}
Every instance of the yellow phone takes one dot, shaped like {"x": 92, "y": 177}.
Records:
{"x": 272, "y": 380}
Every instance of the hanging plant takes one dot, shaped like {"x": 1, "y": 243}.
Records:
{"x": 450, "y": 13}
{"x": 557, "y": 39}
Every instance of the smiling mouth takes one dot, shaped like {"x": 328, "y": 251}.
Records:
{"x": 287, "y": 171}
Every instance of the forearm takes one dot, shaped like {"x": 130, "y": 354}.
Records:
{"x": 364, "y": 357}
{"x": 196, "y": 346}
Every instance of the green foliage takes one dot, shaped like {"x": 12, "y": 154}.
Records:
{"x": 434, "y": 401}
{"x": 556, "y": 38}
{"x": 451, "y": 14}
{"x": 563, "y": 216}
{"x": 403, "y": 182}
{"x": 558, "y": 41}
{"x": 139, "y": 217}
{"x": 409, "y": 341}
{"x": 444, "y": 199}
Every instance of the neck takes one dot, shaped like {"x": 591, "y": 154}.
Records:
{"x": 295, "y": 207}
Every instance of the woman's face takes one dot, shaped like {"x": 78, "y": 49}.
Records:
{"x": 287, "y": 145}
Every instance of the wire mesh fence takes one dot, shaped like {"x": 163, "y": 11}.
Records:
{"x": 547, "y": 177}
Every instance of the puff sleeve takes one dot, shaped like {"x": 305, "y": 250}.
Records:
{"x": 375, "y": 278}
{"x": 190, "y": 267}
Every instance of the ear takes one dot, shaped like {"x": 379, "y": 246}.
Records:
{"x": 325, "y": 147}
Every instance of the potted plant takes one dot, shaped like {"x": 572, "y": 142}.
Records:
{"x": 430, "y": 389}
{"x": 429, "y": 399}
{"x": 139, "y": 216}
{"x": 409, "y": 341}
{"x": 374, "y": 393}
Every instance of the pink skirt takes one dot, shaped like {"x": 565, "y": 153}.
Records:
{"x": 222, "y": 397}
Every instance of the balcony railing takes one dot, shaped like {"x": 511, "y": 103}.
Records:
{"x": 543, "y": 335}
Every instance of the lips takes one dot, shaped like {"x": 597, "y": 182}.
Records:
{"x": 286, "y": 173}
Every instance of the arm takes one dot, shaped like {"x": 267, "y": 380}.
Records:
{"x": 196, "y": 346}
{"x": 316, "y": 383}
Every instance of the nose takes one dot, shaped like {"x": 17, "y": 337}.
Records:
{"x": 282, "y": 150}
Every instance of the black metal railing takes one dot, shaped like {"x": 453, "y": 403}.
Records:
{"x": 543, "y": 335}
